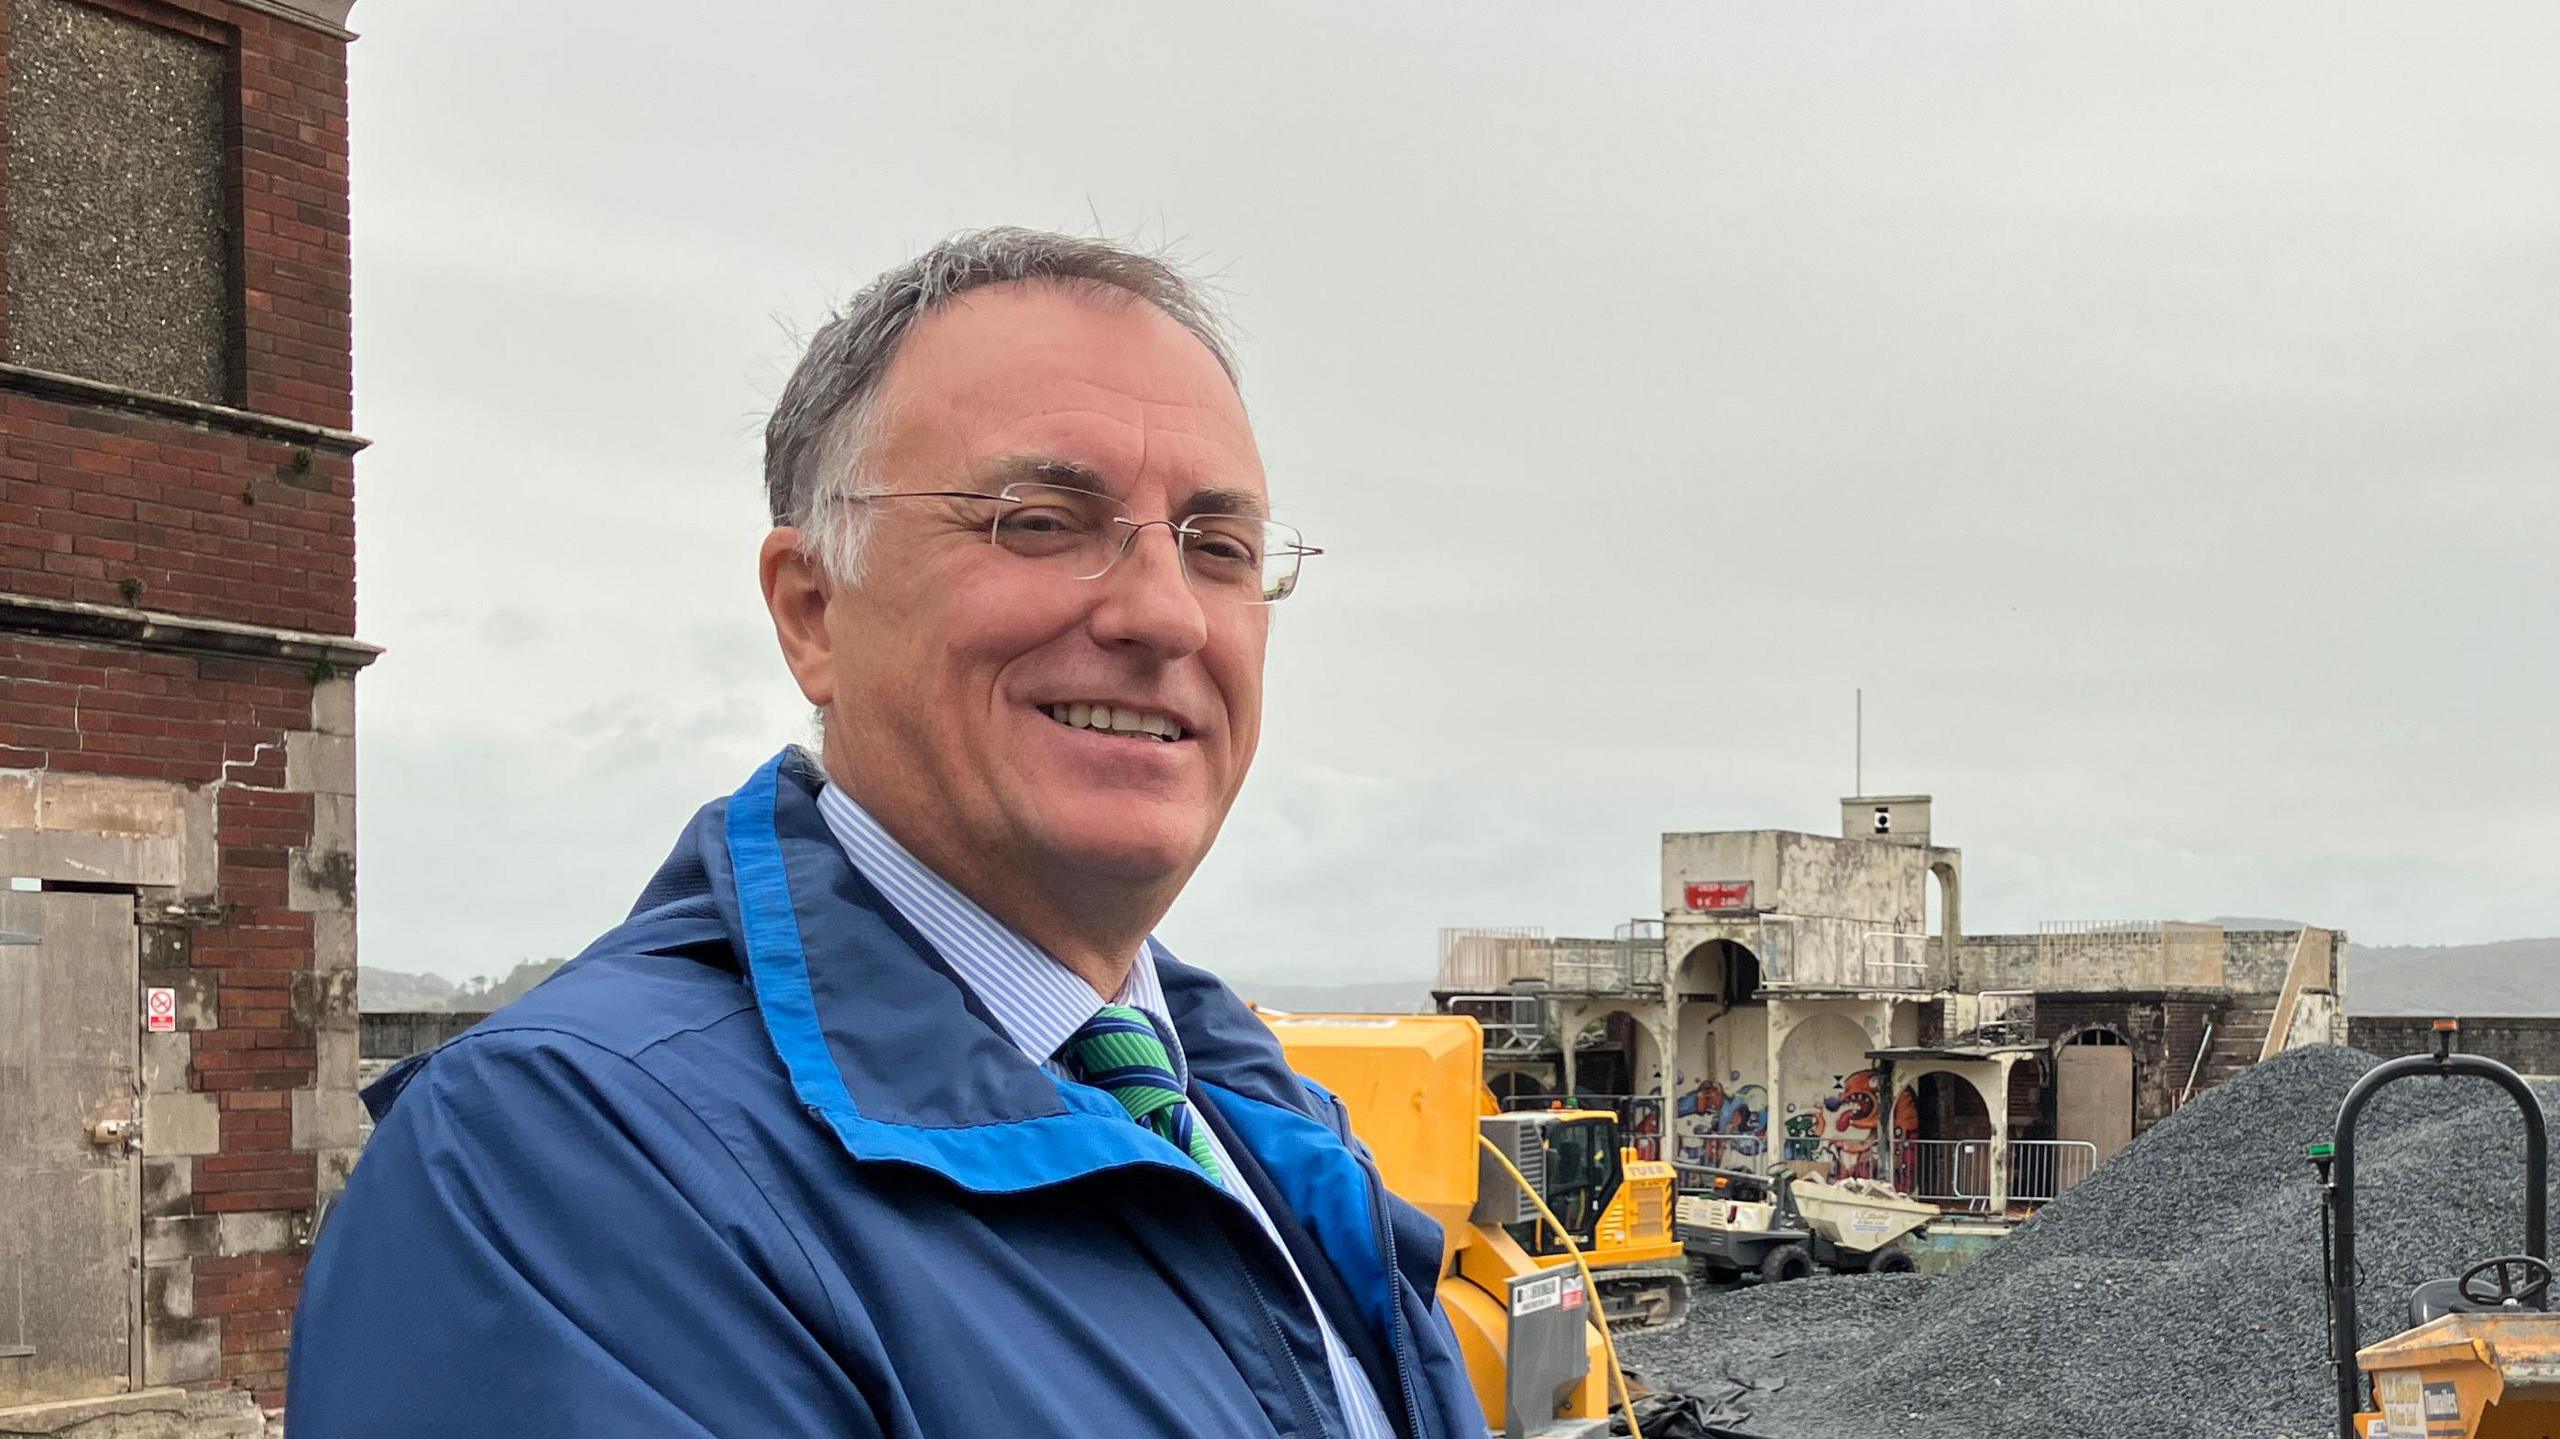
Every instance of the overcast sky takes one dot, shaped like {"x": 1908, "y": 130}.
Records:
{"x": 2150, "y": 405}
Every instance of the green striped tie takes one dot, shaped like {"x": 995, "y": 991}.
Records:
{"x": 1119, "y": 1052}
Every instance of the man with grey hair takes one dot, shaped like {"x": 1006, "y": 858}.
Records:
{"x": 884, "y": 1113}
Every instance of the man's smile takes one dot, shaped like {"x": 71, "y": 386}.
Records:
{"x": 1120, "y": 720}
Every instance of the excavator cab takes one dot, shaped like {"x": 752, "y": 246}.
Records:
{"x": 1579, "y": 1175}
{"x": 1616, "y": 1205}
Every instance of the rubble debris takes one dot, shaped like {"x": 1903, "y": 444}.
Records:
{"x": 2175, "y": 1294}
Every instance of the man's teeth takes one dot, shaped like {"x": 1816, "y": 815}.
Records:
{"x": 1118, "y": 721}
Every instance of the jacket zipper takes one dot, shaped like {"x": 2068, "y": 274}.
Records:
{"x": 1308, "y": 1408}
{"x": 1400, "y": 1339}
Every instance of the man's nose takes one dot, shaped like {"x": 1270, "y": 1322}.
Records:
{"x": 1147, "y": 598}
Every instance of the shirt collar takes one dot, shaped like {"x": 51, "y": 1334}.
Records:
{"x": 1039, "y": 1002}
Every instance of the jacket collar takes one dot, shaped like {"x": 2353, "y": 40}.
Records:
{"x": 882, "y": 1042}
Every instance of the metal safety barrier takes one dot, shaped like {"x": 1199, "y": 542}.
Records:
{"x": 2040, "y": 1169}
{"x": 1958, "y": 1171}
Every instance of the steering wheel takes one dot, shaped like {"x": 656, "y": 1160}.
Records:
{"x": 2510, "y": 1281}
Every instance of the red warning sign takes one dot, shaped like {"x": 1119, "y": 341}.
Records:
{"x": 1730, "y": 896}
{"x": 160, "y": 1010}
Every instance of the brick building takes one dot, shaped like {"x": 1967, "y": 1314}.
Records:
{"x": 177, "y": 660}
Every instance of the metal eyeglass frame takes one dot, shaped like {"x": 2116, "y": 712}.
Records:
{"x": 1179, "y": 528}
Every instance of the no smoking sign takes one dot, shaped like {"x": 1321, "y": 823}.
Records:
{"x": 160, "y": 1010}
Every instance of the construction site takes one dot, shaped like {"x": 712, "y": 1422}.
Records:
{"x": 1814, "y": 1000}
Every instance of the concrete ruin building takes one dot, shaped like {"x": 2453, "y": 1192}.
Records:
{"x": 177, "y": 715}
{"x": 1795, "y": 1004}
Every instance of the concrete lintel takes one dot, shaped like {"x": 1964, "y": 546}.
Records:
{"x": 177, "y": 634}
{"x": 77, "y": 390}
{"x": 86, "y": 857}
{"x": 66, "y": 1414}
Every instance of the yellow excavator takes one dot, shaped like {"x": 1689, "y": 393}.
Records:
{"x": 1508, "y": 1190}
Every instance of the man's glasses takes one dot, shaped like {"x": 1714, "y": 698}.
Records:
{"x": 1079, "y": 533}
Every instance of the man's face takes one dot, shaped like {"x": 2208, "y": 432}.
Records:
{"x": 952, "y": 653}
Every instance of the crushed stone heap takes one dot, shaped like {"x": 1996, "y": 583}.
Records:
{"x": 2175, "y": 1294}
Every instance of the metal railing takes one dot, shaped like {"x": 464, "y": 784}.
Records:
{"x": 1513, "y": 1024}
{"x": 1484, "y": 960}
{"x": 2006, "y": 1016}
{"x": 1944, "y": 1171}
{"x": 1896, "y": 960}
{"x": 1716, "y": 1151}
{"x": 1958, "y": 1171}
{"x": 1604, "y": 966}
{"x": 2040, "y": 1169}
{"x": 2127, "y": 954}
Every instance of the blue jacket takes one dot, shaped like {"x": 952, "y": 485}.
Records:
{"x": 757, "y": 1164}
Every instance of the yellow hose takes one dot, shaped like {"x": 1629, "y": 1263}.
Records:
{"x": 1590, "y": 1287}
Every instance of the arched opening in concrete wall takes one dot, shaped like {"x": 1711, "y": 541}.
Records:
{"x": 1948, "y": 1156}
{"x": 2093, "y": 1089}
{"x": 1832, "y": 1099}
{"x": 1946, "y": 905}
{"x": 1641, "y": 1109}
{"x": 1519, "y": 1088}
{"x": 1723, "y": 970}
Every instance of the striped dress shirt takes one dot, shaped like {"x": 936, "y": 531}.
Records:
{"x": 1041, "y": 1004}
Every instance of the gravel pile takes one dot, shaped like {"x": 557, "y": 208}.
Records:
{"x": 2173, "y": 1295}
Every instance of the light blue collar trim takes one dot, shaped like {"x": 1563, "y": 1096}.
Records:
{"x": 1039, "y": 1002}
{"x": 1092, "y": 1134}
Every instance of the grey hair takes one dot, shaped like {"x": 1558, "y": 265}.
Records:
{"x": 814, "y": 469}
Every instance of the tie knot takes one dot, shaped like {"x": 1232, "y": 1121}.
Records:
{"x": 1118, "y": 1046}
{"x": 1121, "y": 1052}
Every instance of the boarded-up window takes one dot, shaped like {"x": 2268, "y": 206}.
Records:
{"x": 119, "y": 223}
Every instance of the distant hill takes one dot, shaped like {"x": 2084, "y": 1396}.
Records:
{"x": 391, "y": 989}
{"x": 378, "y": 989}
{"x": 2513, "y": 976}
{"x": 1409, "y": 996}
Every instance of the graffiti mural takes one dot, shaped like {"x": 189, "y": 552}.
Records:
{"x": 1643, "y": 1119}
{"x": 1906, "y": 1127}
{"x": 1722, "y": 1126}
{"x": 1843, "y": 1136}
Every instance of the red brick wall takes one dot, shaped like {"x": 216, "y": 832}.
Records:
{"x": 210, "y": 518}
{"x": 112, "y": 508}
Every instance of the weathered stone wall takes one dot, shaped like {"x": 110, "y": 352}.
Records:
{"x": 2254, "y": 961}
{"x": 2529, "y": 1043}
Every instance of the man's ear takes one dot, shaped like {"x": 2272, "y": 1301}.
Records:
{"x": 796, "y": 593}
